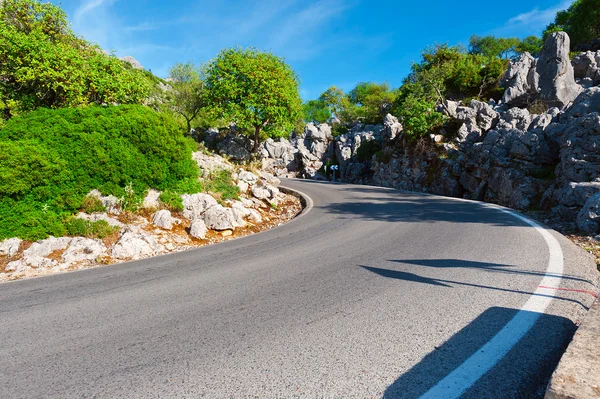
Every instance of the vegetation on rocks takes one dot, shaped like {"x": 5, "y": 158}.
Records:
{"x": 581, "y": 21}
{"x": 50, "y": 160}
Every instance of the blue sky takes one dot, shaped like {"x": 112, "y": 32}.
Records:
{"x": 327, "y": 42}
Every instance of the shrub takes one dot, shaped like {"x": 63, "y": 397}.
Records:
{"x": 92, "y": 204}
{"x": 367, "y": 149}
{"x": 221, "y": 183}
{"x": 171, "y": 200}
{"x": 50, "y": 160}
{"x": 88, "y": 229}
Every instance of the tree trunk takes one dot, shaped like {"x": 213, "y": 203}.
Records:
{"x": 256, "y": 139}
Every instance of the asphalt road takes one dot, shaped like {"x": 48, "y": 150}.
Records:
{"x": 372, "y": 293}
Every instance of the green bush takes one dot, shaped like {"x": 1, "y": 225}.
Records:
{"x": 367, "y": 149}
{"x": 171, "y": 200}
{"x": 50, "y": 160}
{"x": 89, "y": 229}
{"x": 221, "y": 183}
{"x": 581, "y": 21}
{"x": 92, "y": 204}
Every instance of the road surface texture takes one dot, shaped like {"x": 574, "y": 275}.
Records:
{"x": 372, "y": 293}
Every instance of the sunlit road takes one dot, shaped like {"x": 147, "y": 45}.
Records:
{"x": 371, "y": 293}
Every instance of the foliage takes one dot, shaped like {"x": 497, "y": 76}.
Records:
{"x": 531, "y": 44}
{"x": 221, "y": 183}
{"x": 187, "y": 97}
{"x": 370, "y": 102}
{"x": 335, "y": 100}
{"x": 316, "y": 111}
{"x": 85, "y": 228}
{"x": 92, "y": 204}
{"x": 256, "y": 90}
{"x": 44, "y": 64}
{"x": 491, "y": 46}
{"x": 50, "y": 160}
{"x": 367, "y": 149}
{"x": 581, "y": 21}
{"x": 171, "y": 200}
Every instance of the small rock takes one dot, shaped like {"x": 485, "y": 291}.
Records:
{"x": 219, "y": 218}
{"x": 227, "y": 233}
{"x": 136, "y": 245}
{"x": 261, "y": 192}
{"x": 82, "y": 249}
{"x": 164, "y": 220}
{"x": 196, "y": 204}
{"x": 10, "y": 246}
{"x": 152, "y": 199}
{"x": 248, "y": 177}
{"x": 198, "y": 229}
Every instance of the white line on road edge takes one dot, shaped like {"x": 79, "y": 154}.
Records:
{"x": 461, "y": 379}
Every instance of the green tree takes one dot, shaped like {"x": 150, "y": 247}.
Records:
{"x": 44, "y": 64}
{"x": 581, "y": 21}
{"x": 491, "y": 46}
{"x": 371, "y": 101}
{"x": 531, "y": 44}
{"x": 316, "y": 111}
{"x": 256, "y": 90}
{"x": 335, "y": 99}
{"x": 187, "y": 97}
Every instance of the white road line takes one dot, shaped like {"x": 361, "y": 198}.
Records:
{"x": 461, "y": 379}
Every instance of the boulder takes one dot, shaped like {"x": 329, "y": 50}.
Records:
{"x": 194, "y": 205}
{"x": 587, "y": 102}
{"x": 198, "y": 229}
{"x": 164, "y": 220}
{"x": 235, "y": 147}
{"x": 210, "y": 163}
{"x": 83, "y": 249}
{"x": 557, "y": 80}
{"x": 10, "y": 246}
{"x": 136, "y": 244}
{"x": 521, "y": 81}
{"x": 247, "y": 177}
{"x": 152, "y": 199}
{"x": 586, "y": 66}
{"x": 36, "y": 255}
{"x": 392, "y": 128}
{"x": 132, "y": 61}
{"x": 219, "y": 218}
{"x": 588, "y": 219}
{"x": 111, "y": 203}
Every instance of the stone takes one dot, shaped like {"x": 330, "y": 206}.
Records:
{"x": 516, "y": 118}
{"x": 587, "y": 102}
{"x": 132, "y": 61}
{"x": 588, "y": 219}
{"x": 111, "y": 203}
{"x": 261, "y": 192}
{"x": 269, "y": 178}
{"x": 254, "y": 216}
{"x": 392, "y": 128}
{"x": 83, "y": 249}
{"x": 226, "y": 233}
{"x": 219, "y": 218}
{"x": 210, "y": 163}
{"x": 243, "y": 186}
{"x": 136, "y": 245}
{"x": 247, "y": 177}
{"x": 194, "y": 205}
{"x": 152, "y": 199}
{"x": 10, "y": 246}
{"x": 236, "y": 147}
{"x": 198, "y": 229}
{"x": 585, "y": 66}
{"x": 521, "y": 81}
{"x": 164, "y": 219}
{"x": 485, "y": 116}
{"x": 36, "y": 255}
{"x": 557, "y": 80}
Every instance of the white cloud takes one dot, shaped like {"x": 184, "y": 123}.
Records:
{"x": 536, "y": 19}
{"x": 88, "y": 6}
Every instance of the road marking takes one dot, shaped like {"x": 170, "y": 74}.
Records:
{"x": 461, "y": 379}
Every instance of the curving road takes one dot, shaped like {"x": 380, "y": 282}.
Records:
{"x": 371, "y": 293}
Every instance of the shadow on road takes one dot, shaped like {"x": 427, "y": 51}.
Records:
{"x": 523, "y": 373}
{"x": 412, "y": 277}
{"x": 491, "y": 267}
{"x": 397, "y": 206}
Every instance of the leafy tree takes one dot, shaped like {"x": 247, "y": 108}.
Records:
{"x": 581, "y": 21}
{"x": 335, "y": 99}
{"x": 44, "y": 64}
{"x": 491, "y": 46}
{"x": 256, "y": 90}
{"x": 188, "y": 95}
{"x": 316, "y": 111}
{"x": 371, "y": 101}
{"x": 531, "y": 44}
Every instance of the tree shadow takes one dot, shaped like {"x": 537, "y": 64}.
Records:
{"x": 523, "y": 373}
{"x": 411, "y": 277}
{"x": 490, "y": 267}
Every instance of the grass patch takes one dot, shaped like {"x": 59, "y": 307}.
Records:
{"x": 88, "y": 229}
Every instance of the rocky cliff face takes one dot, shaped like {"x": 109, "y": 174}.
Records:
{"x": 538, "y": 148}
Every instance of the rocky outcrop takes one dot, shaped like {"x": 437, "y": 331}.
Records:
{"x": 586, "y": 67}
{"x": 132, "y": 61}
{"x": 521, "y": 81}
{"x": 10, "y": 247}
{"x": 136, "y": 244}
{"x": 556, "y": 76}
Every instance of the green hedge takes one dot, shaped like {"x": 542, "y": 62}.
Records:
{"x": 50, "y": 159}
